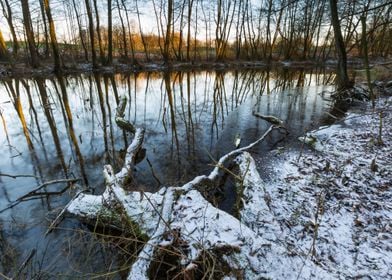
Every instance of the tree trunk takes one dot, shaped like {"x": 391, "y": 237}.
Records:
{"x": 188, "y": 38}
{"x": 124, "y": 33}
{"x": 110, "y": 34}
{"x": 81, "y": 34}
{"x": 91, "y": 31}
{"x": 146, "y": 51}
{"x": 29, "y": 34}
{"x": 366, "y": 58}
{"x": 3, "y": 47}
{"x": 8, "y": 15}
{"x": 343, "y": 81}
{"x": 168, "y": 36}
{"x": 98, "y": 28}
{"x": 53, "y": 38}
{"x": 42, "y": 6}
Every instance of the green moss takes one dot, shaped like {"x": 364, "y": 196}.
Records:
{"x": 118, "y": 219}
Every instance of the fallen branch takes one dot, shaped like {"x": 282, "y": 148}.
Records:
{"x": 130, "y": 157}
{"x": 120, "y": 121}
{"x": 215, "y": 172}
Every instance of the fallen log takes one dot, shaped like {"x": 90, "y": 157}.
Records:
{"x": 185, "y": 235}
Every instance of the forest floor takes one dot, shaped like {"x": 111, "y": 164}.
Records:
{"x": 332, "y": 201}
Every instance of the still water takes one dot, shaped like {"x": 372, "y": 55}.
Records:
{"x": 63, "y": 127}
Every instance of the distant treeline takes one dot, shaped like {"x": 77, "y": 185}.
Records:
{"x": 102, "y": 32}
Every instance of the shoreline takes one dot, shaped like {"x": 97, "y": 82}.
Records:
{"x": 21, "y": 70}
{"x": 330, "y": 203}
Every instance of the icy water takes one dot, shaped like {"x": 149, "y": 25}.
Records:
{"x": 63, "y": 127}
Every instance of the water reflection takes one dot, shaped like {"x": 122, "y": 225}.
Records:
{"x": 64, "y": 127}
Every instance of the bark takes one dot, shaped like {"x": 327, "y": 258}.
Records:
{"x": 42, "y": 6}
{"x": 81, "y": 34}
{"x": 188, "y": 38}
{"x": 168, "y": 35}
{"x": 146, "y": 52}
{"x": 168, "y": 217}
{"x": 91, "y": 32}
{"x": 366, "y": 59}
{"x": 7, "y": 12}
{"x": 53, "y": 38}
{"x": 29, "y": 34}
{"x": 3, "y": 47}
{"x": 110, "y": 33}
{"x": 124, "y": 34}
{"x": 343, "y": 81}
{"x": 98, "y": 28}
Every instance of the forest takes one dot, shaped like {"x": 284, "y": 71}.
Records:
{"x": 193, "y": 139}
{"x": 135, "y": 32}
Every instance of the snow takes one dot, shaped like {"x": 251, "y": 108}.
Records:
{"x": 353, "y": 236}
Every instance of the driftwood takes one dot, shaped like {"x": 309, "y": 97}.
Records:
{"x": 180, "y": 223}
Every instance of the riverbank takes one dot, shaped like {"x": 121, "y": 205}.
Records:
{"x": 47, "y": 70}
{"x": 332, "y": 202}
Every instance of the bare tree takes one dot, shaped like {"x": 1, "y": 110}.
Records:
{"x": 81, "y": 33}
{"x": 98, "y": 29}
{"x": 110, "y": 33}
{"x": 343, "y": 81}
{"x": 46, "y": 33}
{"x": 168, "y": 35}
{"x": 29, "y": 34}
{"x": 53, "y": 38}
{"x": 91, "y": 31}
{"x": 7, "y": 12}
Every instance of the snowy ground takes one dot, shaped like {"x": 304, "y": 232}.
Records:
{"x": 333, "y": 203}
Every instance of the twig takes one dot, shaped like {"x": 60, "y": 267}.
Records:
{"x": 25, "y": 262}
{"x": 43, "y": 185}
{"x": 215, "y": 172}
{"x": 34, "y": 193}
{"x": 18, "y": 175}
{"x": 5, "y": 277}
{"x": 153, "y": 173}
{"x": 60, "y": 216}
